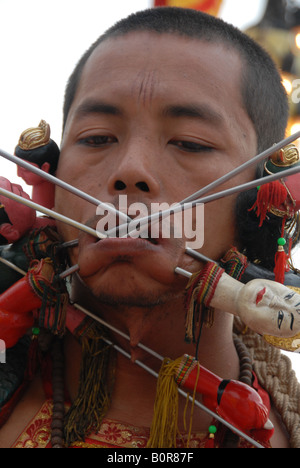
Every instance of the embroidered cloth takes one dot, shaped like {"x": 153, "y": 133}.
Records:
{"x": 113, "y": 434}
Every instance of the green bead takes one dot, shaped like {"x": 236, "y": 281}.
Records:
{"x": 35, "y": 331}
{"x": 212, "y": 429}
{"x": 281, "y": 241}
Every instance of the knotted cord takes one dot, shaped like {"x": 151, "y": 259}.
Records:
{"x": 276, "y": 376}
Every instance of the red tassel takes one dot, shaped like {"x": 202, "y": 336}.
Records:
{"x": 33, "y": 359}
{"x": 271, "y": 195}
{"x": 281, "y": 259}
{"x": 210, "y": 443}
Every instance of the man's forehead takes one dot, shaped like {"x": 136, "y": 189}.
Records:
{"x": 142, "y": 57}
{"x": 194, "y": 82}
{"x": 149, "y": 44}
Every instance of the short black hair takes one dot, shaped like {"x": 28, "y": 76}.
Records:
{"x": 264, "y": 98}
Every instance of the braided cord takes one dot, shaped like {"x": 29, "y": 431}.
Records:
{"x": 275, "y": 374}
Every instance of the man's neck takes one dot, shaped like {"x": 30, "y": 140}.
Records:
{"x": 161, "y": 329}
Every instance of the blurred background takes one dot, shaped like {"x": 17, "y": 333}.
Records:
{"x": 41, "y": 41}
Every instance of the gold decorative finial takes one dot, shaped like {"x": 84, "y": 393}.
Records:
{"x": 35, "y": 137}
{"x": 286, "y": 157}
{"x": 283, "y": 159}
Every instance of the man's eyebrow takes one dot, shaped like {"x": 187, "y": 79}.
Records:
{"x": 201, "y": 112}
{"x": 96, "y": 107}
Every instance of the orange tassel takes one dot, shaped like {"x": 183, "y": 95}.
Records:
{"x": 271, "y": 195}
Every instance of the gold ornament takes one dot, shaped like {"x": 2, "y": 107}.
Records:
{"x": 286, "y": 344}
{"x": 35, "y": 137}
{"x": 286, "y": 157}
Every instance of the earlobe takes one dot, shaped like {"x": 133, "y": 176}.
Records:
{"x": 10, "y": 233}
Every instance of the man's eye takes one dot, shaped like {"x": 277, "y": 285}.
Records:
{"x": 97, "y": 141}
{"x": 190, "y": 146}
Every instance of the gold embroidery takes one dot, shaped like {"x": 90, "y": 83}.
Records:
{"x": 37, "y": 433}
{"x": 113, "y": 434}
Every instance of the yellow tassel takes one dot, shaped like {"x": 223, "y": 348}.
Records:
{"x": 193, "y": 406}
{"x": 164, "y": 426}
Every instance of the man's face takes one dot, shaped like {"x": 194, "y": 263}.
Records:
{"x": 156, "y": 118}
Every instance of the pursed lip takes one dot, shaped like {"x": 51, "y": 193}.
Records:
{"x": 124, "y": 246}
{"x": 154, "y": 257}
{"x": 95, "y": 255}
{"x": 132, "y": 245}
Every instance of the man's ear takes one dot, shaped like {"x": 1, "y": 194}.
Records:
{"x": 46, "y": 167}
{"x": 10, "y": 233}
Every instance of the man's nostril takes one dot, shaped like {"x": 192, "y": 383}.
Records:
{"x": 119, "y": 185}
{"x": 142, "y": 186}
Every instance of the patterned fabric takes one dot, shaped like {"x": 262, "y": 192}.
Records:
{"x": 113, "y": 434}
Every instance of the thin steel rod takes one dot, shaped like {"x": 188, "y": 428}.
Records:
{"x": 12, "y": 266}
{"x": 51, "y": 214}
{"x": 144, "y": 222}
{"x": 182, "y": 272}
{"x": 248, "y": 185}
{"x": 116, "y": 330}
{"x": 260, "y": 157}
{"x": 69, "y": 244}
{"x": 185, "y": 395}
{"x": 148, "y": 369}
{"x": 60, "y": 183}
{"x": 197, "y": 255}
{"x": 70, "y": 271}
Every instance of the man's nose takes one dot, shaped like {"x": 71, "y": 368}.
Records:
{"x": 135, "y": 173}
{"x": 120, "y": 185}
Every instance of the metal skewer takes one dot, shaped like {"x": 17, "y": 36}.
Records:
{"x": 260, "y": 157}
{"x": 185, "y": 395}
{"x": 69, "y": 244}
{"x": 12, "y": 266}
{"x": 148, "y": 369}
{"x": 116, "y": 330}
{"x": 197, "y": 255}
{"x": 178, "y": 270}
{"x": 184, "y": 204}
{"x": 51, "y": 214}
{"x": 60, "y": 183}
{"x": 70, "y": 271}
{"x": 182, "y": 272}
{"x": 144, "y": 222}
